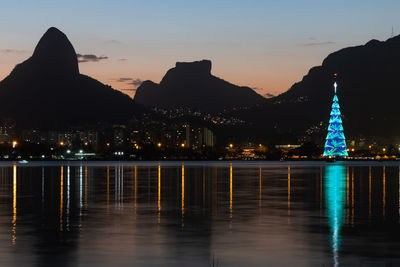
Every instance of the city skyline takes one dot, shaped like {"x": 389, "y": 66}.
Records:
{"x": 262, "y": 45}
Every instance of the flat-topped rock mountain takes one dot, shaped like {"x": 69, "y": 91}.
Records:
{"x": 191, "y": 84}
{"x": 47, "y": 90}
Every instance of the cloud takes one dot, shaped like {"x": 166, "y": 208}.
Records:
{"x": 113, "y": 42}
{"x": 124, "y": 80}
{"x": 89, "y": 58}
{"x": 136, "y": 82}
{"x": 129, "y": 90}
{"x": 269, "y": 95}
{"x": 257, "y": 89}
{"x": 317, "y": 43}
{"x": 122, "y": 59}
{"x": 14, "y": 51}
{"x": 133, "y": 81}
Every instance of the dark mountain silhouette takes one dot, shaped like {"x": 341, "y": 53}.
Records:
{"x": 192, "y": 85}
{"x": 47, "y": 90}
{"x": 368, "y": 90}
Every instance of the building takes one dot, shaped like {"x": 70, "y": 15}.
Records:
{"x": 7, "y": 130}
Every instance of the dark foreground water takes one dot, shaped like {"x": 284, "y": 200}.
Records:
{"x": 199, "y": 214}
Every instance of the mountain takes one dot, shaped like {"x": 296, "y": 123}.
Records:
{"x": 47, "y": 90}
{"x": 191, "y": 84}
{"x": 368, "y": 91}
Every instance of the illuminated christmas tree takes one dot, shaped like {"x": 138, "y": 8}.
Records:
{"x": 335, "y": 145}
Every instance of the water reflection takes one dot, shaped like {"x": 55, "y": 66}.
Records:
{"x": 335, "y": 186}
{"x": 159, "y": 193}
{"x": 61, "y": 197}
{"x": 288, "y": 190}
{"x": 183, "y": 196}
{"x": 14, "y": 216}
{"x": 230, "y": 190}
{"x": 185, "y": 213}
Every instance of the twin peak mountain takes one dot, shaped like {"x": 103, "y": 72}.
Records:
{"x": 48, "y": 91}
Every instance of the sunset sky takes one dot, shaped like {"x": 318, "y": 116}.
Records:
{"x": 267, "y": 45}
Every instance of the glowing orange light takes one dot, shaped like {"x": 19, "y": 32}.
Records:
{"x": 14, "y": 144}
{"x": 159, "y": 144}
{"x": 183, "y": 145}
{"x": 231, "y": 145}
{"x": 61, "y": 143}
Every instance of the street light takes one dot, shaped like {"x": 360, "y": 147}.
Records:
{"x": 14, "y": 144}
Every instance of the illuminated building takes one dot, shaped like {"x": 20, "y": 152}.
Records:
{"x": 335, "y": 145}
{"x": 7, "y": 130}
{"x": 187, "y": 135}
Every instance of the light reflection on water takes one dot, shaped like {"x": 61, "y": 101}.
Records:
{"x": 335, "y": 186}
{"x": 197, "y": 213}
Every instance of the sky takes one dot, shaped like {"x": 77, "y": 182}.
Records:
{"x": 264, "y": 44}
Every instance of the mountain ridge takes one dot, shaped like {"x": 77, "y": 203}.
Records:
{"x": 368, "y": 89}
{"x": 48, "y": 91}
{"x": 191, "y": 84}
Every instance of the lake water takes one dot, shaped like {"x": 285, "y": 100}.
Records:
{"x": 199, "y": 214}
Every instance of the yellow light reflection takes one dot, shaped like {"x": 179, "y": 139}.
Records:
{"x": 204, "y": 191}
{"x": 135, "y": 189}
{"x": 259, "y": 189}
{"x": 352, "y": 196}
{"x": 61, "y": 197}
{"x": 108, "y": 187}
{"x": 288, "y": 191}
{"x": 183, "y": 194}
{"x": 369, "y": 193}
{"x": 230, "y": 191}
{"x": 159, "y": 193}
{"x": 14, "y": 218}
{"x": 384, "y": 192}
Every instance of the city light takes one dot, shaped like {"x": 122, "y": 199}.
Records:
{"x": 183, "y": 145}
{"x": 61, "y": 143}
{"x": 159, "y": 144}
{"x": 230, "y": 145}
{"x": 14, "y": 144}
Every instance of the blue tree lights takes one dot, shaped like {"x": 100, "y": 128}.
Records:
{"x": 335, "y": 145}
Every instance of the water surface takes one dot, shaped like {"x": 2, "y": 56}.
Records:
{"x": 199, "y": 214}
